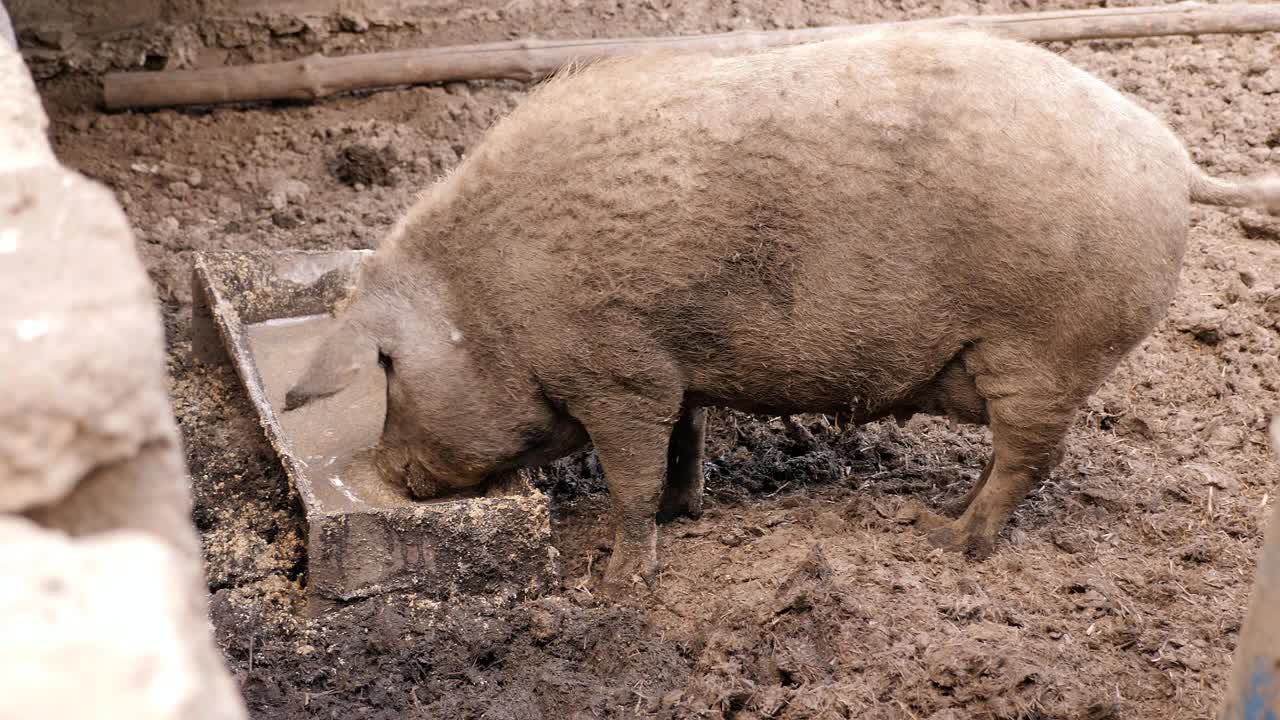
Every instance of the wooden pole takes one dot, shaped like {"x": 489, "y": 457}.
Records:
{"x": 1254, "y": 692}
{"x": 317, "y": 76}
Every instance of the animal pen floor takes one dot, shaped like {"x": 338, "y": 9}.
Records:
{"x": 804, "y": 592}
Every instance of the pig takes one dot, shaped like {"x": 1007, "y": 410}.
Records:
{"x": 894, "y": 223}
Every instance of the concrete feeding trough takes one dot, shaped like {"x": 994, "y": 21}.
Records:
{"x": 268, "y": 311}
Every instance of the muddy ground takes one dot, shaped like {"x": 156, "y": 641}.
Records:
{"x": 1117, "y": 591}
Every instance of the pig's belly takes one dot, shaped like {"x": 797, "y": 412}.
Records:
{"x": 868, "y": 379}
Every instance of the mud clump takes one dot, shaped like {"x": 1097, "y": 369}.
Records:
{"x": 364, "y": 166}
{"x": 781, "y": 660}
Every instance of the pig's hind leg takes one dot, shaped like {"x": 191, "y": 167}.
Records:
{"x": 1025, "y": 450}
{"x": 1029, "y": 410}
{"x": 683, "y": 492}
{"x": 957, "y": 507}
{"x": 954, "y": 393}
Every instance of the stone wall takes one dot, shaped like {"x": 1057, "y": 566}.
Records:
{"x": 102, "y": 595}
{"x": 6, "y": 29}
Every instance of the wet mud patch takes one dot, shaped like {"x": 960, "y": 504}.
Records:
{"x": 541, "y": 659}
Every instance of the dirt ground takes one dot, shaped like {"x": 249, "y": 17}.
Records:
{"x": 1118, "y": 590}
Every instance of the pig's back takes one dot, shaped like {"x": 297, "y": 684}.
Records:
{"x": 815, "y": 201}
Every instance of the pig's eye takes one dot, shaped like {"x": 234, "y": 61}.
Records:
{"x": 384, "y": 361}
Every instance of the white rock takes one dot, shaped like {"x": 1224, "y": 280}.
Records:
{"x": 104, "y": 628}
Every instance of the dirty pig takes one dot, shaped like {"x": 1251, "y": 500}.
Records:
{"x": 895, "y": 223}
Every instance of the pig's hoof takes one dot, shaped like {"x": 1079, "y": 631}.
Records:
{"x": 626, "y": 576}
{"x": 688, "y": 505}
{"x": 928, "y": 521}
{"x": 953, "y": 538}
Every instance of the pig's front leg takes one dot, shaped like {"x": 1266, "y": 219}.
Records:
{"x": 683, "y": 492}
{"x": 631, "y": 438}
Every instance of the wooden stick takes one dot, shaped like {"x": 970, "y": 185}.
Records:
{"x": 317, "y": 76}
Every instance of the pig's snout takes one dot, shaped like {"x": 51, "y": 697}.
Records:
{"x": 398, "y": 465}
{"x": 422, "y": 484}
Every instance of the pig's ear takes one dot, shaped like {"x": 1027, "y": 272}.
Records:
{"x": 333, "y": 367}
